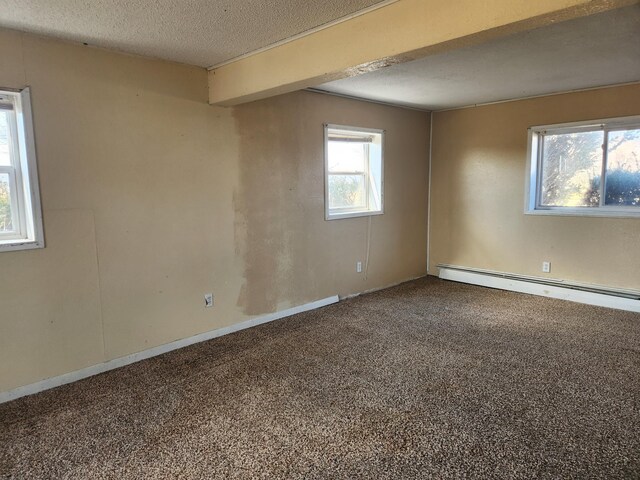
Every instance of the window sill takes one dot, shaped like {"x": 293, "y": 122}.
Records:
{"x": 13, "y": 245}
{"x": 579, "y": 212}
{"x": 338, "y": 216}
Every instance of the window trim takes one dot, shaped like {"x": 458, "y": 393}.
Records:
{"x": 353, "y": 212}
{"x": 27, "y": 192}
{"x": 534, "y": 167}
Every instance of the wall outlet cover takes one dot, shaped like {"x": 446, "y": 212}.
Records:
{"x": 208, "y": 300}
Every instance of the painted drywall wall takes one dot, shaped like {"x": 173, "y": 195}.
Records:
{"x": 478, "y": 178}
{"x": 152, "y": 198}
{"x": 289, "y": 249}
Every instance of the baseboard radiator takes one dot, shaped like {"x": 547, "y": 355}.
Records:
{"x": 618, "y": 298}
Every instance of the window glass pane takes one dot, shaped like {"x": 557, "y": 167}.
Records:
{"x": 346, "y": 191}
{"x": 346, "y": 156}
{"x": 571, "y": 169}
{"x": 5, "y": 159}
{"x": 623, "y": 168}
{"x": 6, "y": 224}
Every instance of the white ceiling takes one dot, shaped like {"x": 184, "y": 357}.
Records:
{"x": 600, "y": 50}
{"x": 197, "y": 32}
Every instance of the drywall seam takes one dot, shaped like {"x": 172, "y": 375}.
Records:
{"x": 159, "y": 350}
{"x": 100, "y": 299}
{"x": 543, "y": 290}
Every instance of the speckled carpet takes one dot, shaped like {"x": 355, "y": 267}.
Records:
{"x": 425, "y": 380}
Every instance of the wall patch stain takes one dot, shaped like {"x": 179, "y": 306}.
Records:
{"x": 266, "y": 200}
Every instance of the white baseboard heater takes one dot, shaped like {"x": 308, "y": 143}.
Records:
{"x": 618, "y": 298}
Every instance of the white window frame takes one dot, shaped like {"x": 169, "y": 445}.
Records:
{"x": 23, "y": 173}
{"x": 533, "y": 181}
{"x": 351, "y": 212}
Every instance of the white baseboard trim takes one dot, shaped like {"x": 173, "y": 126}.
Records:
{"x": 377, "y": 289}
{"x": 155, "y": 351}
{"x": 534, "y": 286}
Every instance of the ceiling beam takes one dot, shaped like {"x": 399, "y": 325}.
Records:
{"x": 396, "y": 33}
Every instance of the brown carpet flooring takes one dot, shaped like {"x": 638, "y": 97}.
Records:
{"x": 426, "y": 380}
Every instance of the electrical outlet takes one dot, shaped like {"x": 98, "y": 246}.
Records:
{"x": 208, "y": 300}
{"x": 358, "y": 267}
{"x": 546, "y": 267}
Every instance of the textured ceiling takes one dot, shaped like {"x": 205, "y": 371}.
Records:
{"x": 197, "y": 32}
{"x": 603, "y": 49}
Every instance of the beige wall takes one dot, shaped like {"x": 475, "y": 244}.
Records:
{"x": 151, "y": 198}
{"x": 478, "y": 178}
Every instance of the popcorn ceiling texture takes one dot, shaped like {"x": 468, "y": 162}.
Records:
{"x": 425, "y": 380}
{"x": 196, "y": 32}
{"x": 582, "y": 53}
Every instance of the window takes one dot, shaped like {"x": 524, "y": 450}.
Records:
{"x": 354, "y": 170}
{"x": 585, "y": 168}
{"x": 20, "y": 214}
